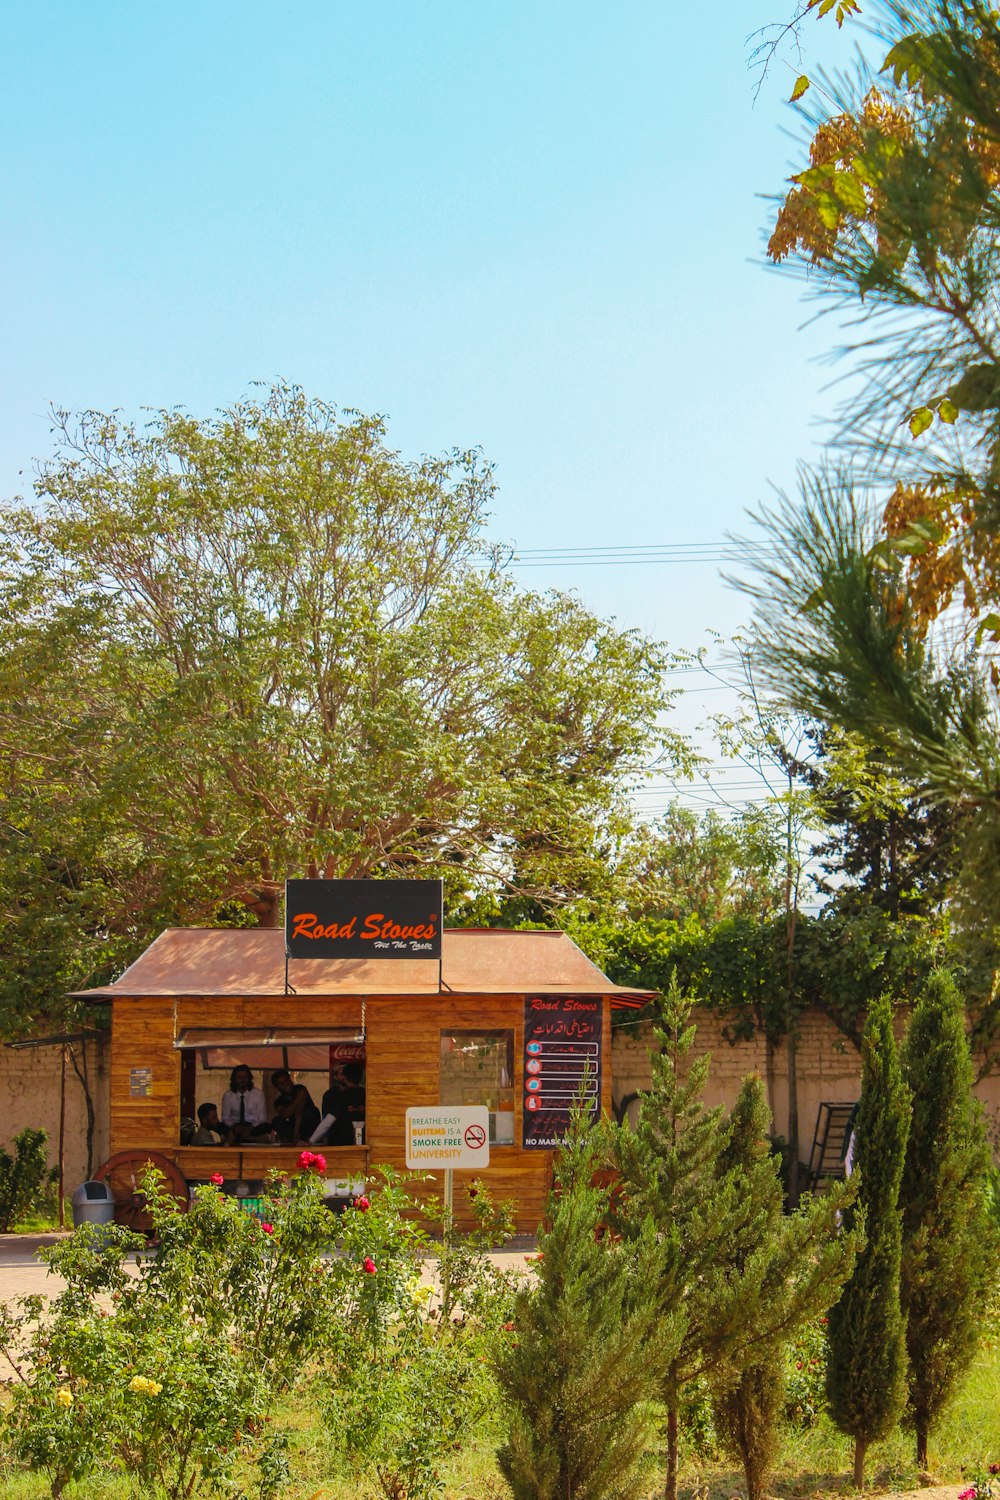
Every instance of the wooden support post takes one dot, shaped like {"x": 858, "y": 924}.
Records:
{"x": 62, "y": 1136}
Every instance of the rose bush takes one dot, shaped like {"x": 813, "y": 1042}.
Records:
{"x": 171, "y": 1374}
{"x": 170, "y": 1371}
{"x": 412, "y": 1373}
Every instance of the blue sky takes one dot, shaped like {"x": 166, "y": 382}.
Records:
{"x": 533, "y": 228}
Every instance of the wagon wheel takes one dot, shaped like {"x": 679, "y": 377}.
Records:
{"x": 123, "y": 1172}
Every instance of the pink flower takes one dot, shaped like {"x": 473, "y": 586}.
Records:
{"x": 969, "y": 1494}
{"x": 312, "y": 1160}
{"x": 267, "y": 1228}
{"x": 362, "y": 1204}
{"x": 216, "y": 1179}
{"x": 369, "y": 1265}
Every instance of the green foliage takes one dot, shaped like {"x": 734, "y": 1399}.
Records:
{"x": 790, "y": 1268}
{"x": 181, "y": 1377}
{"x": 24, "y": 1177}
{"x": 409, "y": 1374}
{"x": 805, "y": 1374}
{"x": 587, "y": 1349}
{"x": 747, "y": 1411}
{"x": 737, "y": 1275}
{"x": 262, "y": 645}
{"x": 173, "y": 1375}
{"x": 950, "y": 1242}
{"x": 844, "y": 958}
{"x": 899, "y": 531}
{"x": 866, "y": 1372}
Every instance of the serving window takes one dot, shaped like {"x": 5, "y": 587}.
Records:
{"x": 477, "y": 1067}
{"x": 315, "y": 1059}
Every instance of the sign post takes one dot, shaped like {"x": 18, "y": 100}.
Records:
{"x": 448, "y": 1138}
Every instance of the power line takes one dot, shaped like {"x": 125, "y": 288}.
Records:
{"x": 630, "y": 555}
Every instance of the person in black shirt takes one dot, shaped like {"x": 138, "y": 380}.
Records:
{"x": 345, "y": 1101}
{"x": 295, "y": 1115}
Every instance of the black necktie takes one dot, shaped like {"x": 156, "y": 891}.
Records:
{"x": 243, "y": 1109}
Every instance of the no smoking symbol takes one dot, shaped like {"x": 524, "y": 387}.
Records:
{"x": 475, "y": 1136}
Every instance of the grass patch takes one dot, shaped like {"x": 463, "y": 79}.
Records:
{"x": 815, "y": 1460}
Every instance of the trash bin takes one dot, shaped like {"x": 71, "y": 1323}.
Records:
{"x": 93, "y": 1203}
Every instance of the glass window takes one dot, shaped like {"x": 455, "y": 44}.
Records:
{"x": 477, "y": 1067}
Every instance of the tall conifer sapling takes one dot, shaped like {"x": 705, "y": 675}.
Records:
{"x": 949, "y": 1248}
{"x": 588, "y": 1348}
{"x": 866, "y": 1368}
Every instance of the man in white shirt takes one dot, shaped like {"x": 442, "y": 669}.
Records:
{"x": 244, "y": 1111}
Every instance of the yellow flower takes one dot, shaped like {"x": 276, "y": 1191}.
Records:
{"x": 145, "y": 1386}
{"x": 64, "y": 1396}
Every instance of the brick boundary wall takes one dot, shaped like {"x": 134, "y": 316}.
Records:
{"x": 828, "y": 1067}
{"x": 29, "y": 1095}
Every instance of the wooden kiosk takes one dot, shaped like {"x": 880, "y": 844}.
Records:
{"x": 510, "y": 1020}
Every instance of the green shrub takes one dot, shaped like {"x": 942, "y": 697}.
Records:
{"x": 805, "y": 1375}
{"x": 171, "y": 1374}
{"x": 409, "y": 1375}
{"x": 24, "y": 1177}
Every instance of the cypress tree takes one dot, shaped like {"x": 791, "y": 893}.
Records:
{"x": 670, "y": 1170}
{"x": 866, "y": 1368}
{"x": 791, "y": 1271}
{"x": 588, "y": 1349}
{"x": 949, "y": 1248}
{"x": 726, "y": 1273}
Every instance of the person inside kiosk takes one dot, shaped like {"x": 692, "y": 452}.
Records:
{"x": 280, "y": 1110}
{"x": 244, "y": 1109}
{"x": 344, "y": 1106}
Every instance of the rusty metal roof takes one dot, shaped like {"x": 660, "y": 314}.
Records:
{"x": 251, "y": 961}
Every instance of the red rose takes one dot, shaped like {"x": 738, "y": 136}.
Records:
{"x": 267, "y": 1228}
{"x": 319, "y": 1162}
{"x": 361, "y": 1204}
{"x": 306, "y": 1160}
{"x": 216, "y": 1179}
{"x": 473, "y": 1191}
{"x": 369, "y": 1265}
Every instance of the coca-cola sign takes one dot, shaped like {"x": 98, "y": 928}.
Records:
{"x": 363, "y": 918}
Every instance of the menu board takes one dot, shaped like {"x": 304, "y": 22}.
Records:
{"x": 562, "y": 1056}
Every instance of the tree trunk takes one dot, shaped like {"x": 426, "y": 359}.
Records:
{"x": 83, "y": 1074}
{"x": 921, "y": 1444}
{"x": 670, "y": 1485}
{"x": 860, "y": 1449}
{"x": 791, "y": 1042}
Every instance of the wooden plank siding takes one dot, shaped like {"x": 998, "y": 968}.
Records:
{"x": 403, "y": 1064}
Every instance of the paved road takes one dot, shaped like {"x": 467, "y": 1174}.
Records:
{"x": 21, "y": 1272}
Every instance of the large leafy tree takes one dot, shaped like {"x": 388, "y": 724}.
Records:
{"x": 879, "y": 599}
{"x": 264, "y": 644}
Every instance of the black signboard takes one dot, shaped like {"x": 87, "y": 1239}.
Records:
{"x": 562, "y": 1055}
{"x": 363, "y": 918}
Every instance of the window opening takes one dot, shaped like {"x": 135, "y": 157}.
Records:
{"x": 477, "y": 1067}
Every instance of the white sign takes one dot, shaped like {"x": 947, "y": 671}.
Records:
{"x": 457, "y": 1139}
